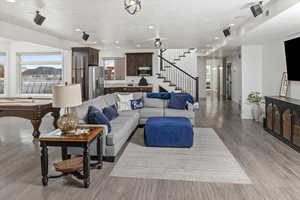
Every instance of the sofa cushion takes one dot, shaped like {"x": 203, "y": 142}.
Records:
{"x": 159, "y": 95}
{"x": 154, "y": 103}
{"x": 151, "y": 112}
{"x": 179, "y": 113}
{"x": 111, "y": 112}
{"x": 177, "y": 101}
{"x": 99, "y": 102}
{"x": 122, "y": 127}
{"x": 110, "y": 99}
{"x": 95, "y": 116}
{"x": 124, "y": 101}
{"x": 82, "y": 110}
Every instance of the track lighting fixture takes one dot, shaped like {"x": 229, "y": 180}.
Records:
{"x": 227, "y": 32}
{"x": 39, "y": 19}
{"x": 157, "y": 43}
{"x": 85, "y": 36}
{"x": 257, "y": 9}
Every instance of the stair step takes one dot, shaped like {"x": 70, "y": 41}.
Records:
{"x": 187, "y": 52}
{"x": 172, "y": 85}
{"x": 163, "y": 70}
{"x": 167, "y": 66}
{"x": 158, "y": 74}
{"x": 161, "y": 77}
{"x": 178, "y": 88}
{"x": 177, "y": 59}
{"x": 182, "y": 56}
{"x": 166, "y": 81}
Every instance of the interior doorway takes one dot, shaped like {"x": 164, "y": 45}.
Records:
{"x": 228, "y": 81}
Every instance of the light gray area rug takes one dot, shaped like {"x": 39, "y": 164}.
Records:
{"x": 207, "y": 161}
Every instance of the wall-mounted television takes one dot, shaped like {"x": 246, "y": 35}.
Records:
{"x": 292, "y": 53}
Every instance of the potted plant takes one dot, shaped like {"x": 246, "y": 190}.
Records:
{"x": 256, "y": 99}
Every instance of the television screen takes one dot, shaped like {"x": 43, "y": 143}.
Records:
{"x": 292, "y": 53}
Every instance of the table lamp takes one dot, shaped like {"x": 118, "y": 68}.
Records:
{"x": 67, "y": 96}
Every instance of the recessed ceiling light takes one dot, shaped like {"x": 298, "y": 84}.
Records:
{"x": 95, "y": 42}
{"x": 117, "y": 42}
{"x": 231, "y": 24}
{"x": 78, "y": 30}
{"x": 103, "y": 41}
{"x": 216, "y": 38}
{"x": 151, "y": 27}
{"x": 11, "y": 1}
{"x": 138, "y": 45}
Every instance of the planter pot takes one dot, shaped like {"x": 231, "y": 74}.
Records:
{"x": 256, "y": 112}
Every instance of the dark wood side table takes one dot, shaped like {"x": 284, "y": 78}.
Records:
{"x": 65, "y": 166}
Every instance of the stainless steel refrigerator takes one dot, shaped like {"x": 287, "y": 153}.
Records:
{"x": 94, "y": 81}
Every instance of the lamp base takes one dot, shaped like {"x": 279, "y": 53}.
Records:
{"x": 68, "y": 123}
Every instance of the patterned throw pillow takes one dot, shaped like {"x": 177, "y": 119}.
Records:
{"x": 137, "y": 104}
{"x": 124, "y": 102}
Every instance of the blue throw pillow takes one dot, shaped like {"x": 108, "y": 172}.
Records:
{"x": 160, "y": 95}
{"x": 137, "y": 104}
{"x": 95, "y": 116}
{"x": 111, "y": 112}
{"x": 177, "y": 101}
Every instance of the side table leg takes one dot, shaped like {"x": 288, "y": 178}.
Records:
{"x": 64, "y": 153}
{"x": 99, "y": 151}
{"x": 36, "y": 123}
{"x": 86, "y": 166}
{"x": 44, "y": 163}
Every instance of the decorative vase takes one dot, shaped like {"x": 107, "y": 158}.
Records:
{"x": 256, "y": 112}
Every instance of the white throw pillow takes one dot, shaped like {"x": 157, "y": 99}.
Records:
{"x": 124, "y": 102}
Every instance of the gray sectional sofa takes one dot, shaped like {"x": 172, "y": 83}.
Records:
{"x": 124, "y": 125}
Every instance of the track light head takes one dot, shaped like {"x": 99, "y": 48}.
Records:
{"x": 85, "y": 36}
{"x": 257, "y": 9}
{"x": 227, "y": 32}
{"x": 157, "y": 43}
{"x": 39, "y": 19}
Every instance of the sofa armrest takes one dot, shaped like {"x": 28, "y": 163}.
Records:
{"x": 191, "y": 107}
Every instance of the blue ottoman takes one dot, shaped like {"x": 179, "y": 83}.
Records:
{"x": 168, "y": 132}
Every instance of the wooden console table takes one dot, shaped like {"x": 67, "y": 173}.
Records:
{"x": 283, "y": 120}
{"x": 72, "y": 165}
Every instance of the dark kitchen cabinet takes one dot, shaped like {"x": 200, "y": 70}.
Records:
{"x": 136, "y": 60}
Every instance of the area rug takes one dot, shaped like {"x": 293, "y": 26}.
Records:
{"x": 207, "y": 161}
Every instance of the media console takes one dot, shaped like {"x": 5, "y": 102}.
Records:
{"x": 283, "y": 120}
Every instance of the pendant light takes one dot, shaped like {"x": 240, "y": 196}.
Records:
{"x": 132, "y": 6}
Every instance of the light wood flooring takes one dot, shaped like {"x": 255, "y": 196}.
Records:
{"x": 272, "y": 166}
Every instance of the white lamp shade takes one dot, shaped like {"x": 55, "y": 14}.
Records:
{"x": 66, "y": 96}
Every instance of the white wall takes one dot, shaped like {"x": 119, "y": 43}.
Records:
{"x": 274, "y": 64}
{"x": 201, "y": 66}
{"x": 252, "y": 64}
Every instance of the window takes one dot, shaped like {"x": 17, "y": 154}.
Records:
{"x": 40, "y": 72}
{"x": 2, "y": 72}
{"x": 114, "y": 68}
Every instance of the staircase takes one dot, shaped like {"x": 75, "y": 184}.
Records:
{"x": 175, "y": 78}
